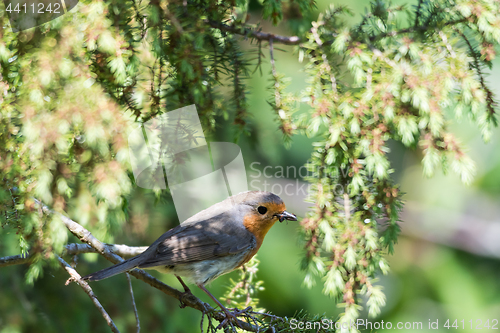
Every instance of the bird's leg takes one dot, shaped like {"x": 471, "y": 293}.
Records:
{"x": 186, "y": 288}
{"x": 186, "y": 292}
{"x": 229, "y": 315}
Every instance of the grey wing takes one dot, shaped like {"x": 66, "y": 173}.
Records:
{"x": 201, "y": 241}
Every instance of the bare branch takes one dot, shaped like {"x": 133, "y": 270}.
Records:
{"x": 296, "y": 40}
{"x": 74, "y": 249}
{"x": 249, "y": 32}
{"x": 120, "y": 249}
{"x": 75, "y": 277}
{"x": 14, "y": 260}
{"x": 138, "y": 324}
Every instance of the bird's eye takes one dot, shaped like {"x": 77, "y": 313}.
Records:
{"x": 262, "y": 210}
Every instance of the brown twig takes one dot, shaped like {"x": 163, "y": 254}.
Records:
{"x": 75, "y": 277}
{"x": 174, "y": 21}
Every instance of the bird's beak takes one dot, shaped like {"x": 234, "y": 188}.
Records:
{"x": 286, "y": 216}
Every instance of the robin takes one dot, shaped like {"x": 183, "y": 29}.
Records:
{"x": 211, "y": 243}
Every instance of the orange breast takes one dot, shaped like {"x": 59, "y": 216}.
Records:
{"x": 259, "y": 229}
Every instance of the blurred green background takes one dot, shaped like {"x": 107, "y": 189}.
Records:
{"x": 446, "y": 264}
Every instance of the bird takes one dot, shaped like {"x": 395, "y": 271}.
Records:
{"x": 211, "y": 243}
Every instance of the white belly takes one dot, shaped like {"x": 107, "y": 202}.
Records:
{"x": 204, "y": 271}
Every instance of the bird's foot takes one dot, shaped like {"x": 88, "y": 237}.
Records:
{"x": 184, "y": 295}
{"x": 231, "y": 316}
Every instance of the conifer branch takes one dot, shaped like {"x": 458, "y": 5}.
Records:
{"x": 417, "y": 13}
{"x": 490, "y": 102}
{"x": 420, "y": 28}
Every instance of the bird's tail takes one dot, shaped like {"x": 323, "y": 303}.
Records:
{"x": 114, "y": 270}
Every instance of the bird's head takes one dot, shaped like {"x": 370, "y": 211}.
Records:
{"x": 263, "y": 209}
